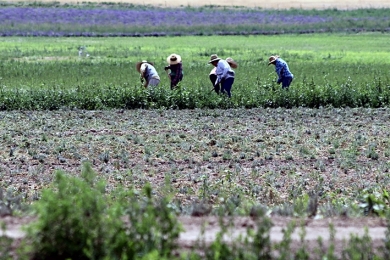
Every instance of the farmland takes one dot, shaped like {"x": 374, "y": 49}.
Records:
{"x": 78, "y": 130}
{"x": 330, "y": 70}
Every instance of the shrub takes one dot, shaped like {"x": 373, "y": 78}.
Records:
{"x": 78, "y": 220}
{"x": 71, "y": 219}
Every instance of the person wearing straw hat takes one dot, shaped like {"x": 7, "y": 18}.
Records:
{"x": 213, "y": 74}
{"x": 281, "y": 68}
{"x": 225, "y": 74}
{"x": 176, "y": 69}
{"x": 148, "y": 74}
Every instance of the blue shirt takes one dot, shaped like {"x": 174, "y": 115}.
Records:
{"x": 281, "y": 68}
{"x": 223, "y": 71}
{"x": 148, "y": 72}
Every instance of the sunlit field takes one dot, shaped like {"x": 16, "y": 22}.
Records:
{"x": 330, "y": 70}
{"x": 107, "y": 169}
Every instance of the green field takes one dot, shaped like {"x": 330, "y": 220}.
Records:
{"x": 322, "y": 152}
{"x": 337, "y": 70}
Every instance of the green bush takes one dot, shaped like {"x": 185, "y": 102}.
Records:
{"x": 78, "y": 220}
{"x": 72, "y": 219}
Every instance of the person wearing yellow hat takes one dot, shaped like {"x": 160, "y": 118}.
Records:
{"x": 225, "y": 74}
{"x": 281, "y": 68}
{"x": 148, "y": 74}
{"x": 176, "y": 69}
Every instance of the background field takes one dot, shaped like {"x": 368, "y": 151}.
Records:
{"x": 275, "y": 4}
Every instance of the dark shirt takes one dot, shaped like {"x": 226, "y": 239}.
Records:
{"x": 176, "y": 73}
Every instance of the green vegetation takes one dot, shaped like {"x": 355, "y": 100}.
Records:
{"x": 330, "y": 70}
{"x": 78, "y": 220}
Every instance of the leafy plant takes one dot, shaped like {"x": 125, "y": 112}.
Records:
{"x": 375, "y": 202}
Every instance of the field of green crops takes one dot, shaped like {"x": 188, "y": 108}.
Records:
{"x": 339, "y": 70}
{"x": 320, "y": 149}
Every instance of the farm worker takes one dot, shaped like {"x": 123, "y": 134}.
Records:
{"x": 225, "y": 74}
{"x": 213, "y": 74}
{"x": 176, "y": 69}
{"x": 281, "y": 68}
{"x": 148, "y": 74}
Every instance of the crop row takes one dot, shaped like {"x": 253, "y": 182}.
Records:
{"x": 86, "y": 85}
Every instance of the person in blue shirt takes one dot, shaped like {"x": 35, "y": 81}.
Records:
{"x": 147, "y": 73}
{"x": 225, "y": 74}
{"x": 281, "y": 68}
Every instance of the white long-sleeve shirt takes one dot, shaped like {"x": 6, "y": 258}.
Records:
{"x": 224, "y": 71}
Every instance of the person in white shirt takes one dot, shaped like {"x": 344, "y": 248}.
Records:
{"x": 225, "y": 74}
{"x": 213, "y": 74}
{"x": 148, "y": 74}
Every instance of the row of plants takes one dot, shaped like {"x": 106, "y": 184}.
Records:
{"x": 93, "y": 97}
{"x": 108, "y": 85}
{"x": 333, "y": 70}
{"x": 77, "y": 219}
{"x": 90, "y": 20}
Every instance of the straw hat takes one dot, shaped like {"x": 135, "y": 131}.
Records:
{"x": 213, "y": 58}
{"x": 232, "y": 63}
{"x": 139, "y": 64}
{"x": 173, "y": 59}
{"x": 272, "y": 59}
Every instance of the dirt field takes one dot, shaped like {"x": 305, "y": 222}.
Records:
{"x": 274, "y": 4}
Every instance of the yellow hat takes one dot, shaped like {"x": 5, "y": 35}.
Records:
{"x": 272, "y": 59}
{"x": 173, "y": 59}
{"x": 232, "y": 63}
{"x": 213, "y": 58}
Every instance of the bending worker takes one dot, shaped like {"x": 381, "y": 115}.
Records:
{"x": 148, "y": 74}
{"x": 225, "y": 74}
{"x": 281, "y": 68}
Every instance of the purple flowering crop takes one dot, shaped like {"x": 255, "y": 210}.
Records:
{"x": 169, "y": 17}
{"x": 60, "y": 21}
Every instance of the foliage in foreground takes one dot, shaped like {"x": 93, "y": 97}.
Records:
{"x": 78, "y": 220}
